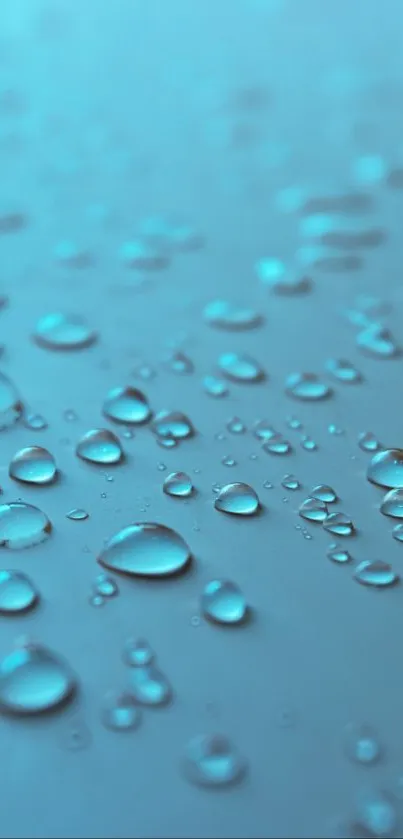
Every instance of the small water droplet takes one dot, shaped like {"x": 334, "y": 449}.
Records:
{"x": 99, "y": 445}
{"x": 335, "y": 430}
{"x": 235, "y": 426}
{"x": 376, "y": 814}
{"x": 239, "y": 499}
{"x": 240, "y": 368}
{"x": 313, "y": 509}
{"x": 223, "y": 602}
{"x": 167, "y": 442}
{"x": 397, "y": 532}
{"x": 33, "y": 679}
{"x": 306, "y": 387}
{"x": 146, "y": 549}
{"x": 22, "y": 525}
{"x": 96, "y": 600}
{"x": 70, "y": 415}
{"x": 377, "y": 341}
{"x": 262, "y": 430}
{"x": 361, "y": 744}
{"x": 294, "y": 423}
{"x": 212, "y": 760}
{"x": 149, "y": 686}
{"x": 137, "y": 652}
{"x": 386, "y": 469}
{"x": 214, "y": 386}
{"x": 277, "y": 444}
{"x": 105, "y": 585}
{"x": 126, "y": 405}
{"x": 59, "y": 331}
{"x": 35, "y": 422}
{"x": 178, "y": 485}
{"x": 392, "y": 504}
{"x": 172, "y": 424}
{"x": 339, "y": 523}
{"x": 343, "y": 371}
{"x": 179, "y": 363}
{"x": 17, "y": 592}
{"x": 11, "y": 406}
{"x": 325, "y": 493}
{"x": 268, "y": 485}
{"x": 33, "y": 465}
{"x": 77, "y": 514}
{"x": 281, "y": 282}
{"x": 228, "y": 460}
{"x": 368, "y": 442}
{"x": 290, "y": 482}
{"x": 375, "y": 573}
{"x": 338, "y": 554}
{"x": 120, "y": 712}
{"x": 225, "y": 315}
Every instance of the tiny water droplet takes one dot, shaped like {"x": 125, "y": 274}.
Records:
{"x": 262, "y": 430}
{"x": 268, "y": 485}
{"x": 313, "y": 509}
{"x": 99, "y": 445}
{"x": 179, "y": 363}
{"x": 228, "y": 460}
{"x": 76, "y": 738}
{"x": 105, "y": 585}
{"x": 212, "y": 760}
{"x": 223, "y": 602}
{"x": 178, "y": 484}
{"x": 290, "y": 482}
{"x": 35, "y": 422}
{"x": 11, "y": 406}
{"x": 375, "y": 573}
{"x": 214, "y": 386}
{"x": 325, "y": 493}
{"x": 392, "y": 504}
{"x": 146, "y": 549}
{"x": 335, "y": 430}
{"x": 240, "y": 368}
{"x": 343, "y": 371}
{"x": 22, "y": 525}
{"x": 120, "y": 712}
{"x": 386, "y": 469}
{"x": 397, "y": 532}
{"x": 225, "y": 315}
{"x": 126, "y": 405}
{"x": 143, "y": 256}
{"x": 77, "y": 514}
{"x": 17, "y": 592}
{"x": 239, "y": 499}
{"x": 137, "y": 652}
{"x": 172, "y": 424}
{"x": 339, "y": 523}
{"x": 338, "y": 554}
{"x": 59, "y": 331}
{"x": 277, "y": 444}
{"x": 306, "y": 387}
{"x": 308, "y": 444}
{"x": 161, "y": 467}
{"x": 368, "y": 442}
{"x": 377, "y": 341}
{"x": 149, "y": 686}
{"x": 361, "y": 744}
{"x": 33, "y": 465}
{"x": 33, "y": 679}
{"x": 294, "y": 423}
{"x": 96, "y": 600}
{"x": 235, "y": 426}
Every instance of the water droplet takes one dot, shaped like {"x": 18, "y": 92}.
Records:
{"x": 161, "y": 467}
{"x": 262, "y": 430}
{"x": 70, "y": 415}
{"x": 290, "y": 482}
{"x": 375, "y": 573}
{"x": 361, "y": 744}
{"x": 126, "y": 405}
{"x": 63, "y": 332}
{"x": 239, "y": 499}
{"x": 272, "y": 273}
{"x": 222, "y": 601}
{"x": 225, "y": 315}
{"x": 376, "y": 814}
{"x": 392, "y": 504}
{"x": 335, "y": 430}
{"x": 228, "y": 460}
{"x": 146, "y": 549}
{"x": 105, "y": 585}
{"x": 235, "y": 426}
{"x": 339, "y": 523}
{"x": 178, "y": 484}
{"x": 10, "y": 404}
{"x": 343, "y": 371}
{"x": 377, "y": 341}
{"x": 71, "y": 255}
{"x": 172, "y": 424}
{"x": 99, "y": 445}
{"x": 397, "y": 532}
{"x": 96, "y": 600}
{"x": 212, "y": 760}
{"x": 33, "y": 679}
{"x": 386, "y": 469}
{"x": 368, "y": 442}
{"x": 22, "y": 525}
{"x": 120, "y": 712}
{"x": 214, "y": 386}
{"x": 313, "y": 509}
{"x": 167, "y": 442}
{"x": 324, "y": 493}
{"x": 178, "y": 362}
{"x": 306, "y": 386}
{"x": 143, "y": 256}
{"x": 144, "y": 371}
{"x": 308, "y": 444}
{"x": 294, "y": 423}
{"x": 241, "y": 368}
{"x": 33, "y": 465}
{"x": 35, "y": 422}
{"x": 17, "y": 592}
{"x": 277, "y": 444}
{"x": 77, "y": 514}
{"x": 137, "y": 652}
{"x": 268, "y": 485}
{"x": 149, "y": 685}
{"x": 338, "y": 554}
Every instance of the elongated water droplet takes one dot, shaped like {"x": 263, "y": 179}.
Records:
{"x": 178, "y": 484}
{"x": 397, "y": 533}
{"x": 223, "y": 602}
{"x": 33, "y": 679}
{"x": 63, "y": 332}
{"x": 100, "y": 446}
{"x": 11, "y": 406}
{"x": 179, "y": 363}
{"x": 343, "y": 371}
{"x": 214, "y": 386}
{"x": 33, "y": 465}
{"x": 235, "y": 426}
{"x": 172, "y": 424}
{"x": 137, "y": 652}
{"x": 143, "y": 256}
{"x": 361, "y": 744}
{"x": 338, "y": 554}
{"x": 77, "y": 514}
{"x": 120, "y": 712}
{"x": 376, "y": 815}
{"x": 35, "y": 422}
{"x": 277, "y": 444}
{"x": 392, "y": 504}
{"x": 368, "y": 442}
{"x": 239, "y": 499}
{"x": 17, "y": 592}
{"x": 324, "y": 493}
{"x": 211, "y": 760}
{"x": 240, "y": 368}
{"x": 377, "y": 341}
{"x": 386, "y": 469}
{"x": 22, "y": 525}
{"x": 375, "y": 573}
{"x": 225, "y": 315}
{"x": 126, "y": 405}
{"x": 146, "y": 549}
{"x": 306, "y": 386}
{"x": 262, "y": 430}
{"x": 339, "y": 523}
{"x": 149, "y": 685}
{"x": 312, "y": 509}
{"x": 290, "y": 482}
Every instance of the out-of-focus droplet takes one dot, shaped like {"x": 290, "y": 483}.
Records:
{"x": 262, "y": 430}
{"x": 105, "y": 585}
{"x": 375, "y": 573}
{"x": 96, "y": 600}
{"x": 35, "y": 422}
{"x": 143, "y": 256}
{"x": 214, "y": 386}
{"x": 149, "y": 686}
{"x": 33, "y": 679}
{"x": 17, "y": 593}
{"x": 146, "y": 549}
{"x": 101, "y": 446}
{"x": 361, "y": 744}
{"x": 339, "y": 523}
{"x": 240, "y": 368}
{"x": 343, "y": 371}
{"x": 377, "y": 341}
{"x": 137, "y": 652}
{"x": 225, "y": 315}
{"x": 126, "y": 405}
{"x": 307, "y": 387}
{"x": 179, "y": 363}
{"x": 368, "y": 442}
{"x": 33, "y": 465}
{"x": 386, "y": 469}
{"x": 212, "y": 760}
{"x": 120, "y": 712}
{"x": 223, "y": 602}
{"x": 325, "y": 493}
{"x": 63, "y": 332}
{"x": 22, "y": 525}
{"x": 376, "y": 814}
{"x": 178, "y": 485}
{"x": 11, "y": 406}
{"x": 70, "y": 415}
{"x": 238, "y": 499}
{"x": 313, "y": 509}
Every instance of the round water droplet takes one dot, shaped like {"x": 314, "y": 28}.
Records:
{"x": 120, "y": 712}
{"x": 377, "y": 341}
{"x": 262, "y": 430}
{"x": 361, "y": 744}
{"x": 368, "y": 442}
{"x": 17, "y": 592}
{"x": 146, "y": 549}
{"x": 149, "y": 686}
{"x": 312, "y": 509}
{"x": 338, "y": 554}
{"x": 343, "y": 371}
{"x": 397, "y": 533}
{"x": 225, "y": 315}
{"x": 324, "y": 493}
{"x": 22, "y": 525}
{"x": 376, "y": 815}
{"x": 277, "y": 444}
{"x": 77, "y": 514}
{"x": 223, "y": 602}
{"x": 214, "y": 386}
{"x": 290, "y": 482}
{"x": 137, "y": 652}
{"x": 11, "y": 406}
{"x": 392, "y": 504}
{"x": 179, "y": 363}
{"x": 306, "y": 386}
{"x": 240, "y": 368}
{"x": 239, "y": 499}
{"x": 172, "y": 424}
{"x": 33, "y": 679}
{"x": 63, "y": 332}
{"x": 178, "y": 484}
{"x": 235, "y": 426}
{"x": 105, "y": 585}
{"x": 339, "y": 523}
{"x": 212, "y": 760}
{"x": 100, "y": 446}
{"x": 33, "y": 465}
{"x": 386, "y": 469}
{"x": 35, "y": 422}
{"x": 126, "y": 405}
{"x": 375, "y": 573}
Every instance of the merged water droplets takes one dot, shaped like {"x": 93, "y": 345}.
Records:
{"x": 238, "y": 499}
{"x": 386, "y": 469}
{"x": 339, "y": 523}
{"x": 33, "y": 465}
{"x": 146, "y": 549}
{"x": 307, "y": 387}
{"x": 172, "y": 424}
{"x": 240, "y": 368}
{"x": 126, "y": 405}
{"x": 312, "y": 509}
{"x": 377, "y": 341}
{"x": 17, "y": 593}
{"x": 99, "y": 445}
{"x": 33, "y": 679}
{"x": 120, "y": 711}
{"x": 178, "y": 485}
{"x": 223, "y": 602}
{"x": 211, "y": 760}
{"x": 11, "y": 406}
{"x": 225, "y": 315}
{"x": 375, "y": 573}
{"x": 149, "y": 685}
{"x": 22, "y": 525}
{"x": 343, "y": 371}
{"x": 63, "y": 332}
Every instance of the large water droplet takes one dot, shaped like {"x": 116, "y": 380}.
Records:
{"x": 146, "y": 549}
{"x": 137, "y": 652}
{"x": 149, "y": 685}
{"x": 324, "y": 493}
{"x": 126, "y": 405}
{"x": 10, "y": 404}
{"x": 222, "y": 601}
{"x": 100, "y": 446}
{"x": 212, "y": 760}
{"x": 368, "y": 442}
{"x": 225, "y": 315}
{"x": 33, "y": 679}
{"x": 120, "y": 712}
{"x": 63, "y": 332}
{"x": 22, "y": 525}
{"x": 306, "y": 386}
{"x": 361, "y": 744}
{"x": 377, "y": 341}
{"x": 375, "y": 573}
{"x": 312, "y": 509}
{"x": 172, "y": 424}
{"x": 338, "y": 554}
{"x": 241, "y": 368}
{"x": 386, "y": 469}
{"x": 33, "y": 465}
{"x": 178, "y": 484}
{"x": 215, "y": 387}
{"x": 343, "y": 371}
{"x": 239, "y": 499}
{"x": 17, "y": 592}
{"x": 376, "y": 815}
{"x": 339, "y": 523}
{"x": 392, "y": 504}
